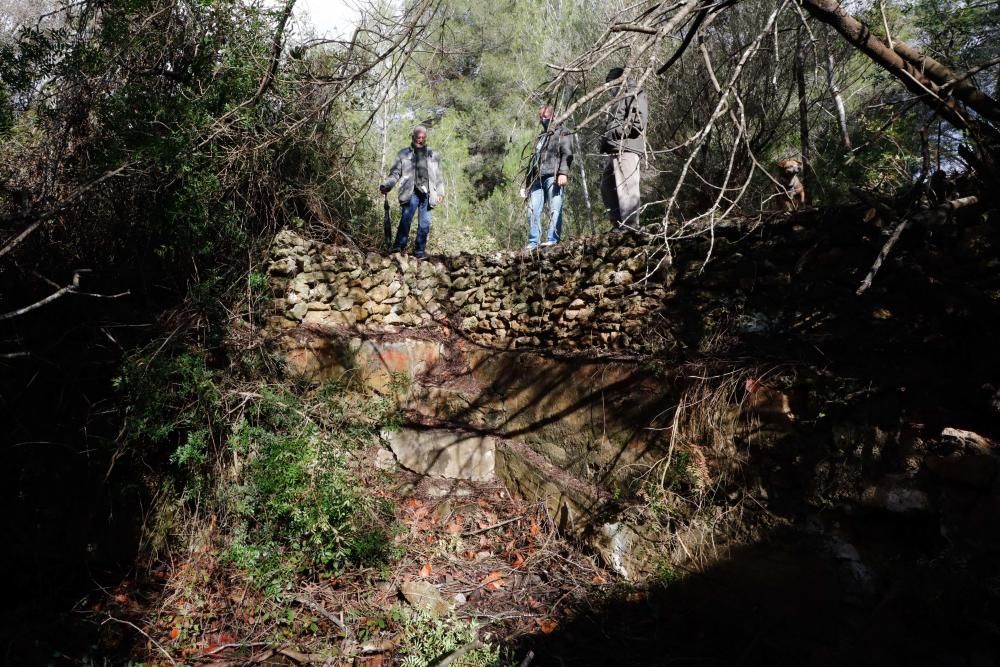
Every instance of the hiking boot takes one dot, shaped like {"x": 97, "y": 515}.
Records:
{"x": 548, "y": 243}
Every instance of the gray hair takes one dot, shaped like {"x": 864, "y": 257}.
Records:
{"x": 417, "y": 130}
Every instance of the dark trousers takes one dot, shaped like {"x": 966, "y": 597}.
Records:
{"x": 419, "y": 203}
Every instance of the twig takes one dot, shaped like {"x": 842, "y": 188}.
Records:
{"x": 52, "y": 212}
{"x": 302, "y": 658}
{"x": 143, "y": 633}
{"x": 223, "y": 647}
{"x": 71, "y": 288}
{"x": 488, "y": 528}
{"x": 471, "y": 646}
{"x": 327, "y": 615}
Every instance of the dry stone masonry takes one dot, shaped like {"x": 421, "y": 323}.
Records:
{"x": 594, "y": 294}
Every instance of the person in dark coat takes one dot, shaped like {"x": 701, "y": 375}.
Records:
{"x": 417, "y": 171}
{"x": 547, "y": 176}
{"x": 623, "y": 142}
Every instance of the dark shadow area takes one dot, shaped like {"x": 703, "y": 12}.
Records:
{"x": 796, "y": 599}
{"x": 73, "y": 509}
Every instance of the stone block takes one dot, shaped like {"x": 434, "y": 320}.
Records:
{"x": 448, "y": 454}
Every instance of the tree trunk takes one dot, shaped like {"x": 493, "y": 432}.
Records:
{"x": 838, "y": 100}
{"x": 963, "y": 89}
{"x": 800, "y": 81}
{"x": 583, "y": 181}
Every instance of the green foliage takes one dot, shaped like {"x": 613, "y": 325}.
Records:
{"x": 170, "y": 399}
{"x": 665, "y": 575}
{"x": 168, "y": 96}
{"x": 427, "y": 639}
{"x": 297, "y": 507}
{"x": 294, "y": 506}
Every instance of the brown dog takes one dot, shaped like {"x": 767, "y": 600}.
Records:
{"x": 793, "y": 194}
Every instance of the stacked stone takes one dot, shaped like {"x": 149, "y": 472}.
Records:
{"x": 595, "y": 293}
{"x": 326, "y": 285}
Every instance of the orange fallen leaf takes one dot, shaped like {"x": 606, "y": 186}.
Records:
{"x": 547, "y": 625}
{"x": 494, "y": 580}
{"x": 534, "y": 528}
{"x": 598, "y": 579}
{"x": 454, "y": 527}
{"x": 175, "y": 632}
{"x": 470, "y": 554}
{"x": 425, "y": 571}
{"x": 518, "y": 560}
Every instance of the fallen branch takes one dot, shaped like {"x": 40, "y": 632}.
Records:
{"x": 40, "y": 218}
{"x": 303, "y": 658}
{"x": 934, "y": 214}
{"x": 71, "y": 288}
{"x": 457, "y": 655}
{"x": 489, "y": 528}
{"x": 144, "y": 634}
{"x": 327, "y": 615}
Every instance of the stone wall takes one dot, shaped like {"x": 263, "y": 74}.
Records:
{"x": 593, "y": 294}
{"x": 573, "y": 361}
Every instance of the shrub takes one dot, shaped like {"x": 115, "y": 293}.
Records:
{"x": 298, "y": 508}
{"x": 427, "y": 639}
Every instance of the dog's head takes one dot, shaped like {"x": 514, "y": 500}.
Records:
{"x": 790, "y": 167}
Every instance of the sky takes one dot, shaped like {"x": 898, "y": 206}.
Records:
{"x": 330, "y": 18}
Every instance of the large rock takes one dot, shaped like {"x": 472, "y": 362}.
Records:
{"x": 425, "y": 596}
{"x": 441, "y": 453}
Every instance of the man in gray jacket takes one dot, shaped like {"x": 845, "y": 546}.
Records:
{"x": 547, "y": 175}
{"x": 623, "y": 141}
{"x": 417, "y": 170}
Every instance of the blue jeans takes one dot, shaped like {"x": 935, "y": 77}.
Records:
{"x": 543, "y": 190}
{"x": 418, "y": 202}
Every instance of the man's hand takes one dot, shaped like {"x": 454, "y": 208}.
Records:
{"x": 562, "y": 179}
{"x": 383, "y": 189}
{"x": 440, "y": 198}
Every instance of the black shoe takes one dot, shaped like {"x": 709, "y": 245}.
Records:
{"x": 420, "y": 255}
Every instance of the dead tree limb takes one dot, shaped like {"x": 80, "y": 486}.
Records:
{"x": 936, "y": 214}
{"x": 276, "y": 47}
{"x": 72, "y": 288}
{"x": 40, "y": 218}
{"x": 961, "y": 87}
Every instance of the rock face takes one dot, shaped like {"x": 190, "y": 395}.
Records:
{"x": 447, "y": 454}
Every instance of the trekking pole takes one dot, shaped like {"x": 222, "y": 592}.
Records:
{"x": 386, "y": 220}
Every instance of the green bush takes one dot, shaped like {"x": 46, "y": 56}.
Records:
{"x": 297, "y": 507}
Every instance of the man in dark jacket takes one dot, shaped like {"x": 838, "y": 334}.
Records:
{"x": 623, "y": 141}
{"x": 547, "y": 176}
{"x": 417, "y": 170}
